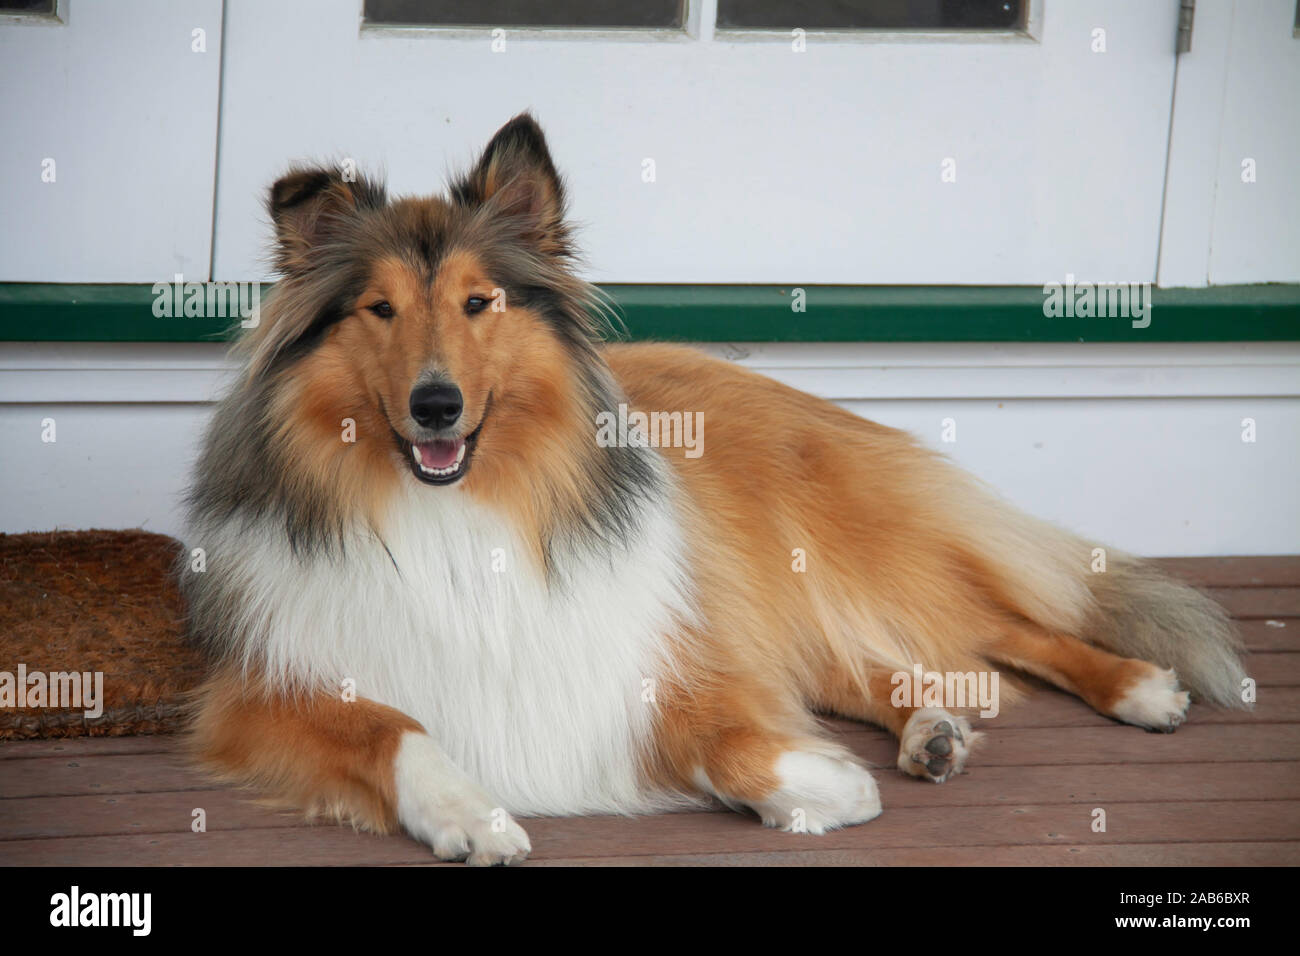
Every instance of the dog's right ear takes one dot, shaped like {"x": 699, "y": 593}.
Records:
{"x": 517, "y": 178}
{"x": 310, "y": 206}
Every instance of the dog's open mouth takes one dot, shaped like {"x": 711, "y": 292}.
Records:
{"x": 442, "y": 461}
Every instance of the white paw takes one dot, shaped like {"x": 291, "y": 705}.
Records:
{"x": 819, "y": 793}
{"x": 935, "y": 744}
{"x": 477, "y": 840}
{"x": 438, "y": 805}
{"x": 1154, "y": 702}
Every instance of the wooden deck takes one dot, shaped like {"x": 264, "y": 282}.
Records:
{"x": 1223, "y": 790}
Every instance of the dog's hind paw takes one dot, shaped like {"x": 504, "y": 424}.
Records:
{"x": 1154, "y": 702}
{"x": 934, "y": 744}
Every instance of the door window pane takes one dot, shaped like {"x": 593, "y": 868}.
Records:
{"x": 871, "y": 14}
{"x": 32, "y": 7}
{"x": 527, "y": 13}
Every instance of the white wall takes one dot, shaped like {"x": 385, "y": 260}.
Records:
{"x": 1137, "y": 446}
{"x": 121, "y": 98}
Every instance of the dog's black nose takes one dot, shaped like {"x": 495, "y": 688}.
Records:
{"x": 436, "y": 406}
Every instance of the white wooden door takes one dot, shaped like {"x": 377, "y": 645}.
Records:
{"x": 978, "y": 158}
{"x": 1232, "y": 202}
{"x": 108, "y": 130}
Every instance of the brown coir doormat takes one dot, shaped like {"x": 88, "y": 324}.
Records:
{"x": 101, "y": 605}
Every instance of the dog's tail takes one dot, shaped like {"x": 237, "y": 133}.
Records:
{"x": 1108, "y": 598}
{"x": 1138, "y": 611}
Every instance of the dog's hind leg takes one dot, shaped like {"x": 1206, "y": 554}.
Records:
{"x": 933, "y": 743}
{"x": 356, "y": 761}
{"x": 801, "y": 785}
{"x": 717, "y": 742}
{"x": 1134, "y": 691}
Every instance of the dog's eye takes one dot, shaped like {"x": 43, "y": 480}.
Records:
{"x": 475, "y": 304}
{"x": 383, "y": 310}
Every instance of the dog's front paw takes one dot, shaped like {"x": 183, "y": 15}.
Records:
{"x": 468, "y": 836}
{"x": 438, "y": 805}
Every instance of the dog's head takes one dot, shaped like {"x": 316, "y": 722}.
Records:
{"x": 441, "y": 326}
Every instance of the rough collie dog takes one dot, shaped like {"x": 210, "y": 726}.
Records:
{"x": 435, "y": 600}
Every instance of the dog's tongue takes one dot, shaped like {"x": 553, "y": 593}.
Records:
{"x": 439, "y": 454}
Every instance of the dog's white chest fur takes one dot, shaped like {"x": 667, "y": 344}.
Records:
{"x": 539, "y": 692}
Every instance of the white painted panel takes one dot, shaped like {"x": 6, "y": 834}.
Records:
{"x": 771, "y": 166}
{"x": 837, "y": 383}
{"x": 116, "y": 97}
{"x": 1152, "y": 476}
{"x": 1157, "y": 470}
{"x": 97, "y": 372}
{"x": 1257, "y": 225}
{"x": 1237, "y": 98}
{"x": 112, "y": 466}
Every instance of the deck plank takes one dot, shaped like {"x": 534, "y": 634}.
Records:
{"x": 1270, "y": 634}
{"x": 1235, "y": 572}
{"x": 1132, "y": 854}
{"x": 1040, "y": 746}
{"x": 702, "y": 833}
{"x": 338, "y": 847}
{"x": 164, "y": 811}
{"x": 1249, "y": 603}
{"x": 1004, "y": 746}
{"x": 1053, "y": 708}
{"x": 77, "y": 746}
{"x": 168, "y": 770}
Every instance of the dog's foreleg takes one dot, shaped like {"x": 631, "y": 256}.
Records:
{"x": 353, "y": 760}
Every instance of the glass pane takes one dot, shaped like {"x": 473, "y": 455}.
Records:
{"x": 871, "y": 14}
{"x": 527, "y": 13}
{"x": 36, "y": 7}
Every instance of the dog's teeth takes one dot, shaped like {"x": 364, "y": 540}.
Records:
{"x": 439, "y": 472}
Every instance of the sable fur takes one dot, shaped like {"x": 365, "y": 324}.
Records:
{"x": 656, "y": 645}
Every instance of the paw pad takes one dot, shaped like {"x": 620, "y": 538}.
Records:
{"x": 934, "y": 745}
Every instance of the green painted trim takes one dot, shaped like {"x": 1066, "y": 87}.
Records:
{"x": 44, "y": 312}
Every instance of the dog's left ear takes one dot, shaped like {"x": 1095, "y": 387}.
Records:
{"x": 516, "y": 177}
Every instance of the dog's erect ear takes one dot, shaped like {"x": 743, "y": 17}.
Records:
{"x": 517, "y": 178}
{"x": 311, "y": 205}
